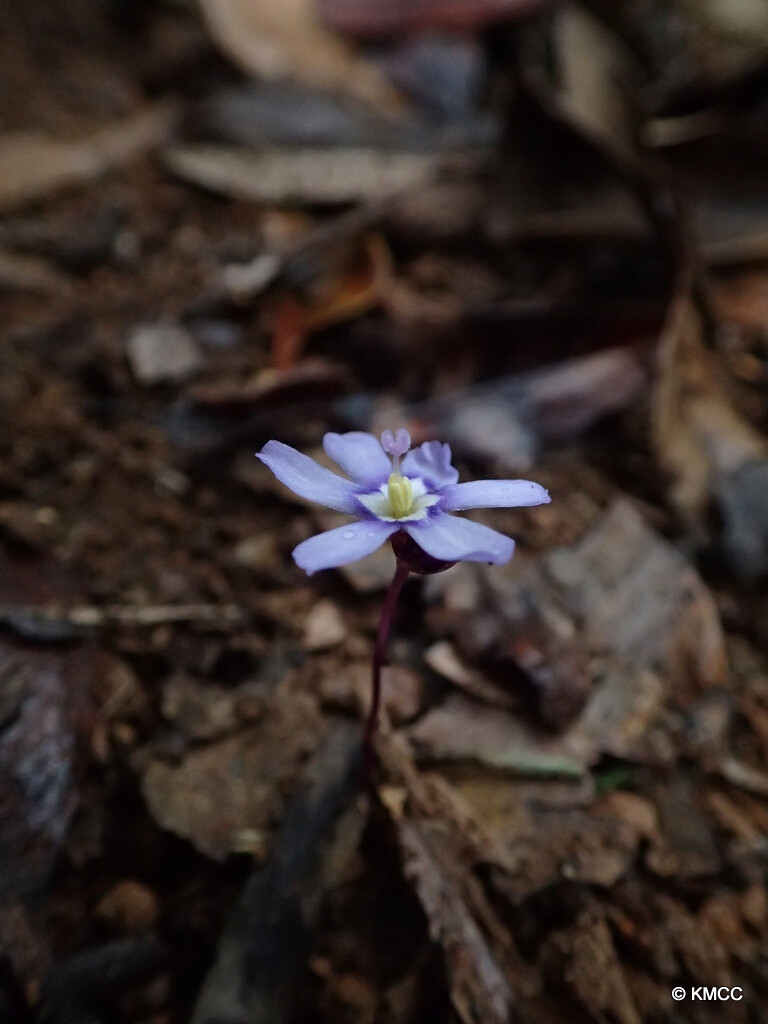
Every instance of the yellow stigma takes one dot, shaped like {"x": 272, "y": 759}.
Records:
{"x": 400, "y": 494}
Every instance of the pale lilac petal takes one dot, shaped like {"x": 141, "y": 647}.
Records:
{"x": 344, "y": 544}
{"x": 493, "y": 494}
{"x": 360, "y": 455}
{"x": 452, "y": 539}
{"x": 308, "y": 479}
{"x": 432, "y": 462}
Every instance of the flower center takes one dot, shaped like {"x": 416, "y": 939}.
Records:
{"x": 400, "y": 495}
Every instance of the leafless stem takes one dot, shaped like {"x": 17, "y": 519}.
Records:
{"x": 385, "y": 626}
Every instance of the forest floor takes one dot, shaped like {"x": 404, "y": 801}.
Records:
{"x": 569, "y": 813}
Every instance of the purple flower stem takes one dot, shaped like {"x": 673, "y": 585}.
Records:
{"x": 385, "y": 626}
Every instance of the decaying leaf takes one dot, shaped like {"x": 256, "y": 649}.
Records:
{"x": 732, "y": 231}
{"x": 316, "y": 176}
{"x": 731, "y": 36}
{"x": 548, "y": 834}
{"x": 686, "y": 847}
{"x": 285, "y": 40}
{"x": 509, "y": 419}
{"x": 40, "y": 697}
{"x": 200, "y": 711}
{"x": 614, "y": 720}
{"x": 592, "y": 88}
{"x": 584, "y": 960}
{"x": 479, "y": 989}
{"x": 443, "y": 659}
{"x": 311, "y": 380}
{"x": 439, "y": 838}
{"x": 256, "y": 976}
{"x": 34, "y": 165}
{"x": 29, "y": 274}
{"x": 225, "y": 796}
{"x": 639, "y": 597}
{"x": 464, "y": 731}
{"x": 711, "y": 452}
{"x": 699, "y": 436}
{"x": 291, "y": 114}
{"x": 348, "y": 284}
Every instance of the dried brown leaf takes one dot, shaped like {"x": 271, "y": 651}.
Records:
{"x": 286, "y": 40}
{"x": 699, "y": 437}
{"x": 34, "y": 165}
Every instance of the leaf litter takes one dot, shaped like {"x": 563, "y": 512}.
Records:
{"x": 570, "y": 807}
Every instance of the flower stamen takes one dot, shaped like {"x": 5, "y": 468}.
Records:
{"x": 400, "y": 495}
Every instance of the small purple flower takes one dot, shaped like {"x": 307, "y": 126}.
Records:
{"x": 393, "y": 491}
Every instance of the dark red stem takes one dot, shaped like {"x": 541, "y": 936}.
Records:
{"x": 385, "y": 625}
